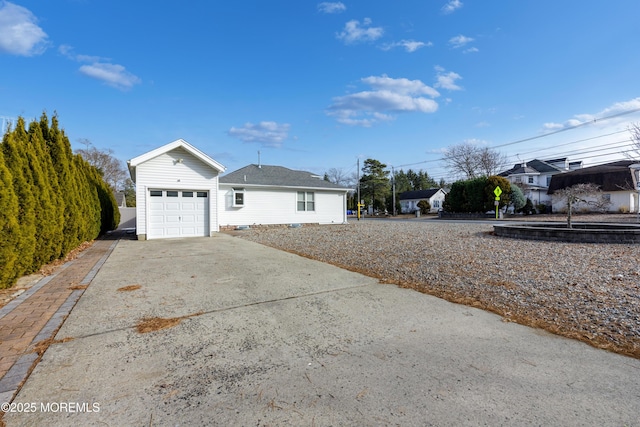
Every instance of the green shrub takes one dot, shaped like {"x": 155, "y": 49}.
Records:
{"x": 425, "y": 206}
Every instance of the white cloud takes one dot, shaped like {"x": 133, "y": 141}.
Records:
{"x": 388, "y": 96}
{"x": 19, "y": 31}
{"x": 471, "y": 50}
{"x": 459, "y": 41}
{"x": 269, "y": 134}
{"x": 409, "y": 45}
{"x": 331, "y": 7}
{"x": 112, "y": 74}
{"x": 447, "y": 80}
{"x": 402, "y": 86}
{"x": 354, "y": 33}
{"x": 451, "y": 6}
{"x": 67, "y": 51}
{"x": 600, "y": 118}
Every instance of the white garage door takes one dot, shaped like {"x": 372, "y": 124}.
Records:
{"x": 178, "y": 213}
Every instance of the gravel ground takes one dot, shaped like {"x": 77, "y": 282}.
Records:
{"x": 589, "y": 292}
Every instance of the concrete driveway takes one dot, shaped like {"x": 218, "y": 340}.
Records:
{"x": 270, "y": 338}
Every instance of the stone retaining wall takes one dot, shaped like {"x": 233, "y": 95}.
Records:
{"x": 580, "y": 233}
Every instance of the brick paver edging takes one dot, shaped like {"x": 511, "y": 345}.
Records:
{"x": 16, "y": 375}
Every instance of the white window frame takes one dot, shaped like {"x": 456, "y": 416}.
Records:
{"x": 306, "y": 201}
{"x": 238, "y": 192}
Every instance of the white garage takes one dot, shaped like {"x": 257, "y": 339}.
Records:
{"x": 178, "y": 213}
{"x": 176, "y": 192}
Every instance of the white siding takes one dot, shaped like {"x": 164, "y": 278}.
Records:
{"x": 279, "y": 206}
{"x": 174, "y": 170}
{"x": 620, "y": 201}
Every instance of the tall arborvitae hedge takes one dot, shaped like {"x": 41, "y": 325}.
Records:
{"x": 9, "y": 226}
{"x": 51, "y": 200}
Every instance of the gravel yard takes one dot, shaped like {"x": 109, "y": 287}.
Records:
{"x": 589, "y": 292}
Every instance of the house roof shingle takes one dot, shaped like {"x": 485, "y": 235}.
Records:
{"x": 614, "y": 176}
{"x": 531, "y": 167}
{"x": 265, "y": 175}
{"x": 418, "y": 194}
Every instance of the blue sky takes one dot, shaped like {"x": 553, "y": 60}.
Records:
{"x": 317, "y": 85}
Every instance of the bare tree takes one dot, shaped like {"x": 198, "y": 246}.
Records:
{"x": 490, "y": 161}
{"x": 576, "y": 194}
{"x": 472, "y": 161}
{"x": 340, "y": 177}
{"x": 111, "y": 169}
{"x": 634, "y": 153}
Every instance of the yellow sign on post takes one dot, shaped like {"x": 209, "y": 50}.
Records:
{"x": 497, "y": 192}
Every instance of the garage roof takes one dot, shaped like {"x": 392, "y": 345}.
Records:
{"x": 178, "y": 143}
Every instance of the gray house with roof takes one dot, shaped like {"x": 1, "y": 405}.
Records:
{"x": 534, "y": 176}
{"x": 264, "y": 195}
{"x": 180, "y": 192}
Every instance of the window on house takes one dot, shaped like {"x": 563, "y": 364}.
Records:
{"x": 155, "y": 193}
{"x": 187, "y": 194}
{"x": 436, "y": 203}
{"x": 201, "y": 194}
{"x": 172, "y": 194}
{"x": 238, "y": 197}
{"x": 548, "y": 181}
{"x": 306, "y": 201}
{"x": 606, "y": 197}
{"x": 530, "y": 180}
{"x": 518, "y": 179}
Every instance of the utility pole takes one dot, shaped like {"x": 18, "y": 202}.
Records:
{"x": 393, "y": 189}
{"x": 358, "y": 178}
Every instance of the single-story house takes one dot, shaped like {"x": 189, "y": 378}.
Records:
{"x": 616, "y": 181}
{"x": 534, "y": 176}
{"x": 180, "y": 193}
{"x": 409, "y": 199}
{"x": 262, "y": 194}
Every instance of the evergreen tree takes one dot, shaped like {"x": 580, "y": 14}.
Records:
{"x": 375, "y": 182}
{"x": 41, "y": 132}
{"x": 16, "y": 161}
{"x": 402, "y": 182}
{"x": 9, "y": 227}
{"x": 61, "y": 156}
{"x": 46, "y": 224}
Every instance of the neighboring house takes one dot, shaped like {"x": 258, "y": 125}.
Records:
{"x": 179, "y": 193}
{"x": 534, "y": 176}
{"x": 409, "y": 199}
{"x": 176, "y": 192}
{"x": 616, "y": 181}
{"x": 121, "y": 200}
{"x": 261, "y": 194}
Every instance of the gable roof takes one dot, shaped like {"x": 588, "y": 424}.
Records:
{"x": 277, "y": 176}
{"x": 532, "y": 167}
{"x": 178, "y": 143}
{"x": 419, "y": 194}
{"x": 121, "y": 199}
{"x": 614, "y": 176}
